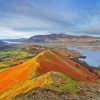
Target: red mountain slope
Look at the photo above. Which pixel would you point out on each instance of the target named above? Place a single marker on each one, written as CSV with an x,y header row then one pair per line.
x,y
44,62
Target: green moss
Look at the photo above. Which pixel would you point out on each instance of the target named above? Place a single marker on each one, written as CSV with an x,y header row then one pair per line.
x,y
34,74
62,83
12,57
56,82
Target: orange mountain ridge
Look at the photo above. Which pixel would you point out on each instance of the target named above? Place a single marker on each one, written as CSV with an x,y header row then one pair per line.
x,y
44,62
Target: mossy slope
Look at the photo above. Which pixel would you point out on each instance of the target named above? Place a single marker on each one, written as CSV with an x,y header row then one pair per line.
x,y
52,81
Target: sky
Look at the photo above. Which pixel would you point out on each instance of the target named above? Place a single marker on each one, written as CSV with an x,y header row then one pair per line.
x,y
26,18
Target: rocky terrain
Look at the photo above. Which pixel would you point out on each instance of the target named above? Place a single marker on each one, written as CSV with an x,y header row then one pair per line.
x,y
85,92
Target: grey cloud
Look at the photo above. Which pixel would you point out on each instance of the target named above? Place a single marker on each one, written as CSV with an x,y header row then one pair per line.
x,y
30,16
44,14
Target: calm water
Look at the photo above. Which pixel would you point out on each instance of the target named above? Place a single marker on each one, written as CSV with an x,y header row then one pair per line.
x,y
92,57
9,42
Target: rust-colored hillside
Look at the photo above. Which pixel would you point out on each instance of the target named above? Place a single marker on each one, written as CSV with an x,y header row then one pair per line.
x,y
44,62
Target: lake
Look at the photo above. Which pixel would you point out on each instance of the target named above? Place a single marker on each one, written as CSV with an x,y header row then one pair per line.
x,y
92,57
10,42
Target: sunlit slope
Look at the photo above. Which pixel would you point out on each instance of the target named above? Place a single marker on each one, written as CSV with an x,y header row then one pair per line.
x,y
54,61
44,62
17,74
51,80
25,87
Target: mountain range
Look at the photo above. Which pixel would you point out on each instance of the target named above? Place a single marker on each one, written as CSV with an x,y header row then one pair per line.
x,y
55,38
62,38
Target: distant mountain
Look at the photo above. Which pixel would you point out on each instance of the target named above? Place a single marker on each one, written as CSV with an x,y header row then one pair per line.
x,y
55,38
2,43
61,38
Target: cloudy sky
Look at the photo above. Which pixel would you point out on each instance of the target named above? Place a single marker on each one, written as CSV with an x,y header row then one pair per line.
x,y
25,18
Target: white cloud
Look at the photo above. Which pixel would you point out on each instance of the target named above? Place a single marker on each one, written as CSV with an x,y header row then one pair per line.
x,y
9,33
6,33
